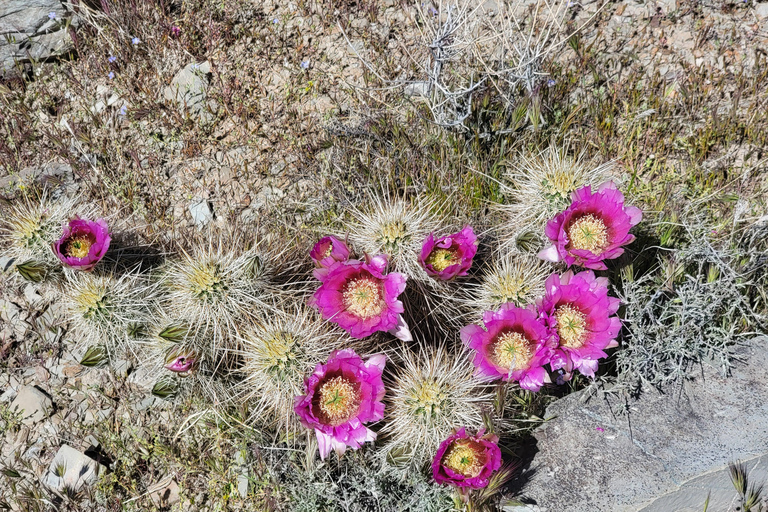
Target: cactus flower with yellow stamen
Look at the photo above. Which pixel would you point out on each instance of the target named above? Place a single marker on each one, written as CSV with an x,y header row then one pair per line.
x,y
449,256
515,345
341,397
593,229
83,243
362,299
581,315
467,461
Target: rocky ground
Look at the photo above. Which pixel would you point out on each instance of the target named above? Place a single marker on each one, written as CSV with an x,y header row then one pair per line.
x,y
273,110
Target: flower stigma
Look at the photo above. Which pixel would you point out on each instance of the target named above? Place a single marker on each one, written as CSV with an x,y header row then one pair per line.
x,y
511,350
440,259
462,457
588,233
363,297
571,326
338,401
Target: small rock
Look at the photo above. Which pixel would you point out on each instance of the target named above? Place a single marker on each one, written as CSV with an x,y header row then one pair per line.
x,y
71,470
8,395
417,89
165,493
201,212
122,368
761,11
146,403
267,195
242,475
8,310
188,89
30,293
96,417
277,168
143,379
34,405
5,263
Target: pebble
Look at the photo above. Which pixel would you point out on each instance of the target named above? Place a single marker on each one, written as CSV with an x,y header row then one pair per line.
x,y
71,470
33,404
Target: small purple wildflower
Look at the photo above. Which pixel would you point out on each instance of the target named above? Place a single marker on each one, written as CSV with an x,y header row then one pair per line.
x,y
274,21
175,31
305,64
135,40
551,82
123,110
52,15
111,75
600,429
112,58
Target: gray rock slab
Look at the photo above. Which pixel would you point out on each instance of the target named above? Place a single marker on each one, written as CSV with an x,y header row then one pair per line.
x,y
165,493
27,15
201,212
71,470
33,404
27,32
188,89
594,456
717,485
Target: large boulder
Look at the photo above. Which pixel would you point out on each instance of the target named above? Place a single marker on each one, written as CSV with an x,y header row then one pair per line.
x,y
615,453
31,30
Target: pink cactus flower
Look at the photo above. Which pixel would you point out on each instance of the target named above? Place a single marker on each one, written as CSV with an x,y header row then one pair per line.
x,y
580,313
180,361
361,299
342,396
449,256
328,251
593,229
83,243
467,461
515,346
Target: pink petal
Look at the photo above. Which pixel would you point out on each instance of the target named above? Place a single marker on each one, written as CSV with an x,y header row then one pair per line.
x,y
550,254
401,332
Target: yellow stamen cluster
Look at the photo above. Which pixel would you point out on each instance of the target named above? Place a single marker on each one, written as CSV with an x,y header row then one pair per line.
x,y
206,280
559,183
329,250
511,350
363,297
588,233
509,289
279,352
463,458
440,259
78,246
91,301
427,399
393,233
338,401
571,326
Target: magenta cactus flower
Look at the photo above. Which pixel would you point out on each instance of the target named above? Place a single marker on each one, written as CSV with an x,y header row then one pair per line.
x,y
581,315
179,361
361,299
342,396
467,461
515,345
593,229
83,243
328,251
449,256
